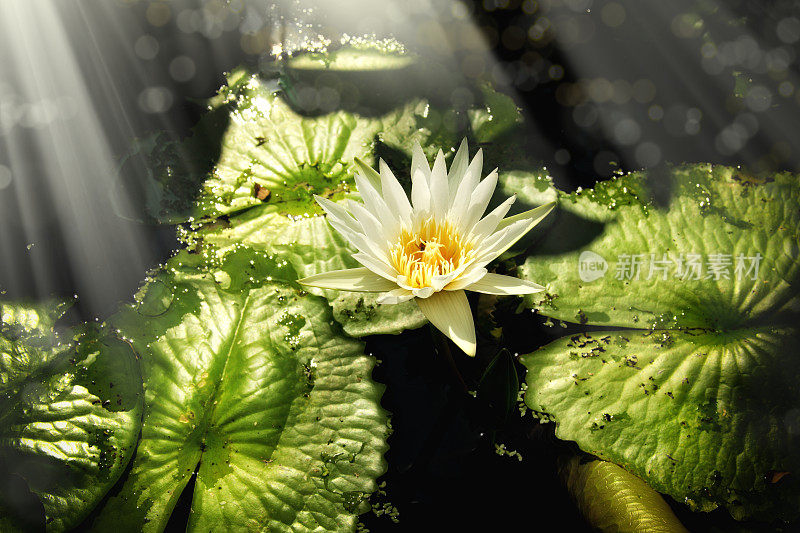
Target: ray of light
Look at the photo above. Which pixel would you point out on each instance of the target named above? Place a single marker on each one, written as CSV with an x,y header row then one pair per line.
x,y
61,163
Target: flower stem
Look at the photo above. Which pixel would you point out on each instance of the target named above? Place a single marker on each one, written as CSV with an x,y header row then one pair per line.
x,y
442,345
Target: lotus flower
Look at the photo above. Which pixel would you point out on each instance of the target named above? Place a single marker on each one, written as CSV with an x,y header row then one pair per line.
x,y
433,248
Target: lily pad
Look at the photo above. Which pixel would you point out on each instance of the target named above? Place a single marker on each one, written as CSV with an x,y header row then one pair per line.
x,y
270,148
70,414
702,402
250,384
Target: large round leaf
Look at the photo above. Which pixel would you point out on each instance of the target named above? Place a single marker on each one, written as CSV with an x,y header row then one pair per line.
x,y
273,162
695,246
249,382
70,413
710,418
703,404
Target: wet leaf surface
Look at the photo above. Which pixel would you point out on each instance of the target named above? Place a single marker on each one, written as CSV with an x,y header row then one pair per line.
x,y
249,382
70,414
702,401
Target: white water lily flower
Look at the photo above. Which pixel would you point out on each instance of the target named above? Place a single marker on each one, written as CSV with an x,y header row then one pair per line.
x,y
434,248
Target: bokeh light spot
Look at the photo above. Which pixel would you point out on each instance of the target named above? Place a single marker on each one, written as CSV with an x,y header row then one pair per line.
x,y
155,99
788,30
758,99
644,91
158,14
146,47
182,69
627,131
612,14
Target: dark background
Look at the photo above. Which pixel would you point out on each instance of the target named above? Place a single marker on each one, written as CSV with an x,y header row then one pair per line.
x,y
606,86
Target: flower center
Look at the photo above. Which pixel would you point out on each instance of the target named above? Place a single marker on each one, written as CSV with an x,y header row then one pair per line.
x,y
433,250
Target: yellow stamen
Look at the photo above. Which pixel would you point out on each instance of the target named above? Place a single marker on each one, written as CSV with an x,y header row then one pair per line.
x,y
432,250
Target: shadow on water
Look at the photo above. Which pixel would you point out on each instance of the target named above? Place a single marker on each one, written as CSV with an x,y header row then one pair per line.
x,y
162,178
443,470
20,504
370,93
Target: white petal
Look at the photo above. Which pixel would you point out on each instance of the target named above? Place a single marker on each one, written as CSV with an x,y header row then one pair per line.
x,y
369,173
375,230
352,279
504,238
449,312
376,265
539,212
457,170
420,192
501,241
372,198
402,281
479,200
360,241
394,195
460,203
395,296
424,292
504,285
439,189
467,279
440,282
370,237
419,162
338,213
488,225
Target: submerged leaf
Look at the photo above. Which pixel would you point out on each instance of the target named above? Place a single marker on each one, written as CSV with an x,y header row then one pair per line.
x,y
612,499
70,413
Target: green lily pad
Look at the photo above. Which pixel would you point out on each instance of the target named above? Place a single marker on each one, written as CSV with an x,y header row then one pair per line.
x,y
290,158
250,383
726,242
70,414
702,402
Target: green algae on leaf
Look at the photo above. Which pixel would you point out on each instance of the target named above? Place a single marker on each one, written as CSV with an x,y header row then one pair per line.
x,y
704,418
70,413
702,401
717,259
249,382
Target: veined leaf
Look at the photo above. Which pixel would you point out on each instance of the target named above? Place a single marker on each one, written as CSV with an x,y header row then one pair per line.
x,y
248,381
269,149
612,499
70,413
704,403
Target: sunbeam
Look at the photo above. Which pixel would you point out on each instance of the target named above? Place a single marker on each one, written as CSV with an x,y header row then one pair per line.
x,y
61,168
